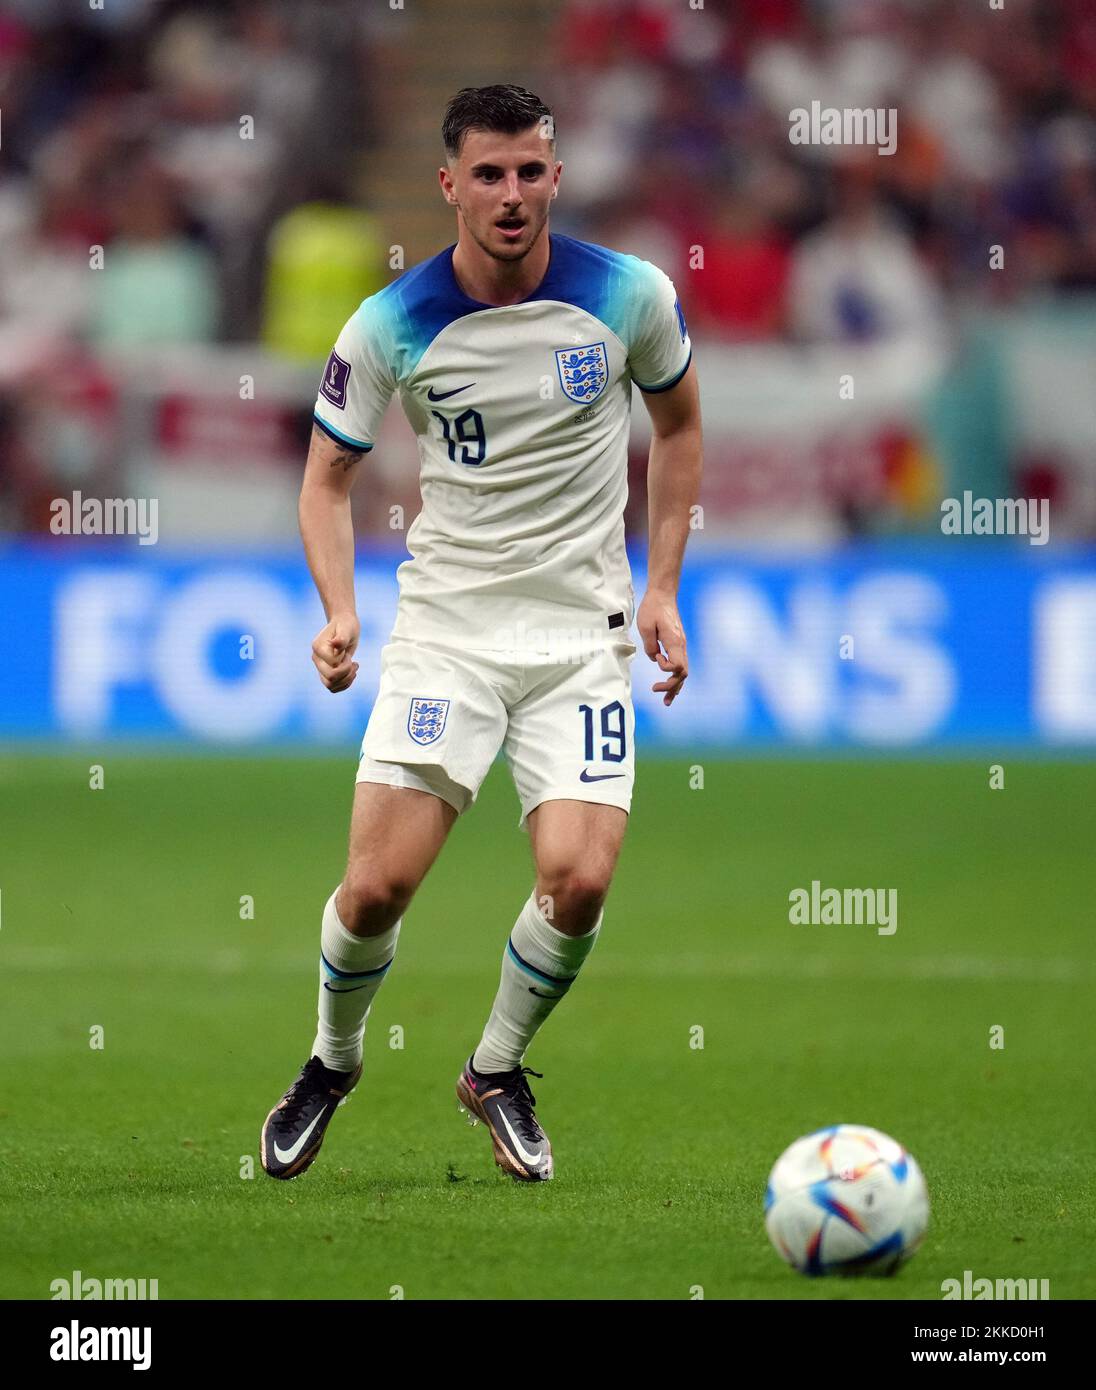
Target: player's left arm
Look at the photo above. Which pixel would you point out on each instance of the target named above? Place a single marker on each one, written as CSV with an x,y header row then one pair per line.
x,y
673,485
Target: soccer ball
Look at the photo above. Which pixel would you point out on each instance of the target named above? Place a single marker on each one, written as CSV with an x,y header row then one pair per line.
x,y
846,1200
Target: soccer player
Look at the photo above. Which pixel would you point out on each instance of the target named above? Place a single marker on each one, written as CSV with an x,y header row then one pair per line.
x,y
513,353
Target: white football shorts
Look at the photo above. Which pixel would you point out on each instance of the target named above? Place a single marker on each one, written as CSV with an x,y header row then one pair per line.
x,y
564,721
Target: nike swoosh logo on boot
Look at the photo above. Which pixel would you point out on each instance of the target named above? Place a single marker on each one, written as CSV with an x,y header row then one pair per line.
x,y
525,1157
288,1155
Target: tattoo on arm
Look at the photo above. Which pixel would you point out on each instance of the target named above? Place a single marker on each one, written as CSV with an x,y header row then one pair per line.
x,y
344,454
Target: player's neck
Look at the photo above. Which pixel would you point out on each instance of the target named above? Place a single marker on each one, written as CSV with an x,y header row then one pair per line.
x,y
498,283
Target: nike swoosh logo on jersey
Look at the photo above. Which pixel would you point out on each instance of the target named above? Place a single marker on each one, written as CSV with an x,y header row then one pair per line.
x,y
354,990
525,1158
584,776
433,395
288,1155
533,990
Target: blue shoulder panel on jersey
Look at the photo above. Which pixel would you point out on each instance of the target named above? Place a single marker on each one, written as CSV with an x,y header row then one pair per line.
x,y
408,314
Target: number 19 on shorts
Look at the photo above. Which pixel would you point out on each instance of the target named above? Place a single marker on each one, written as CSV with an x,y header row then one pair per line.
x,y
613,742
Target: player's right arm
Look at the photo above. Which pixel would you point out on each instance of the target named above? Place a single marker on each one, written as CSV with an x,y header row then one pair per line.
x,y
328,535
356,386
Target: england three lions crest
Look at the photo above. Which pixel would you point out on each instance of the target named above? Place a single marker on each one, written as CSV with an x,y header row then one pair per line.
x,y
426,720
583,371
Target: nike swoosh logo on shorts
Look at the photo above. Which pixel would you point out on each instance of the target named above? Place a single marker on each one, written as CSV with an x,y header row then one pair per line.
x,y
433,395
288,1155
584,776
525,1158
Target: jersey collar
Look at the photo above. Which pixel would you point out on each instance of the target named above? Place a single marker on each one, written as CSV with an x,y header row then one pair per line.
x,y
542,291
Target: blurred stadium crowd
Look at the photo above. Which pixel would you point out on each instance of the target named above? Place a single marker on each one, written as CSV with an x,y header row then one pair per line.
x,y
121,129
677,134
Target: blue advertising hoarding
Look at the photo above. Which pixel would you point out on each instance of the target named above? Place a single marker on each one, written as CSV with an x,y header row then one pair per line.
x,y
889,647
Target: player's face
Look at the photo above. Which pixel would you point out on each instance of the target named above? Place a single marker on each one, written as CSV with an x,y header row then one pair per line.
x,y
502,186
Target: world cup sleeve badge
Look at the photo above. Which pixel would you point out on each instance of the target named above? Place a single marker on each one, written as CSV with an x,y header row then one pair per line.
x,y
426,719
583,371
336,377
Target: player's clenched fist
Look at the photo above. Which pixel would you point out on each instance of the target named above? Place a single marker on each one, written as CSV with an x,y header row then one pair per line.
x,y
333,651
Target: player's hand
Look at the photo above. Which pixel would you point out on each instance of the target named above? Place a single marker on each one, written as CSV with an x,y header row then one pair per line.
x,y
659,625
333,651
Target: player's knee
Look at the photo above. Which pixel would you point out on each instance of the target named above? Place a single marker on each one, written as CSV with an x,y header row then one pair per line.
x,y
371,902
575,898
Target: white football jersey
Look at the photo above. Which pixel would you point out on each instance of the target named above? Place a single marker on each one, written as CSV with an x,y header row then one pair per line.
x,y
522,415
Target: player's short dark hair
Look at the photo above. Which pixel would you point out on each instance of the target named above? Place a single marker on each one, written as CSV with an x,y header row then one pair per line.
x,y
505,108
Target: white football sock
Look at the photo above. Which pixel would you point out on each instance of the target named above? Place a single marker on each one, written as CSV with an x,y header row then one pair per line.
x,y
539,965
352,969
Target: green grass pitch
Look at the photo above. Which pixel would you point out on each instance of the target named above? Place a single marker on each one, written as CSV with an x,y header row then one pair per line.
x,y
121,909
